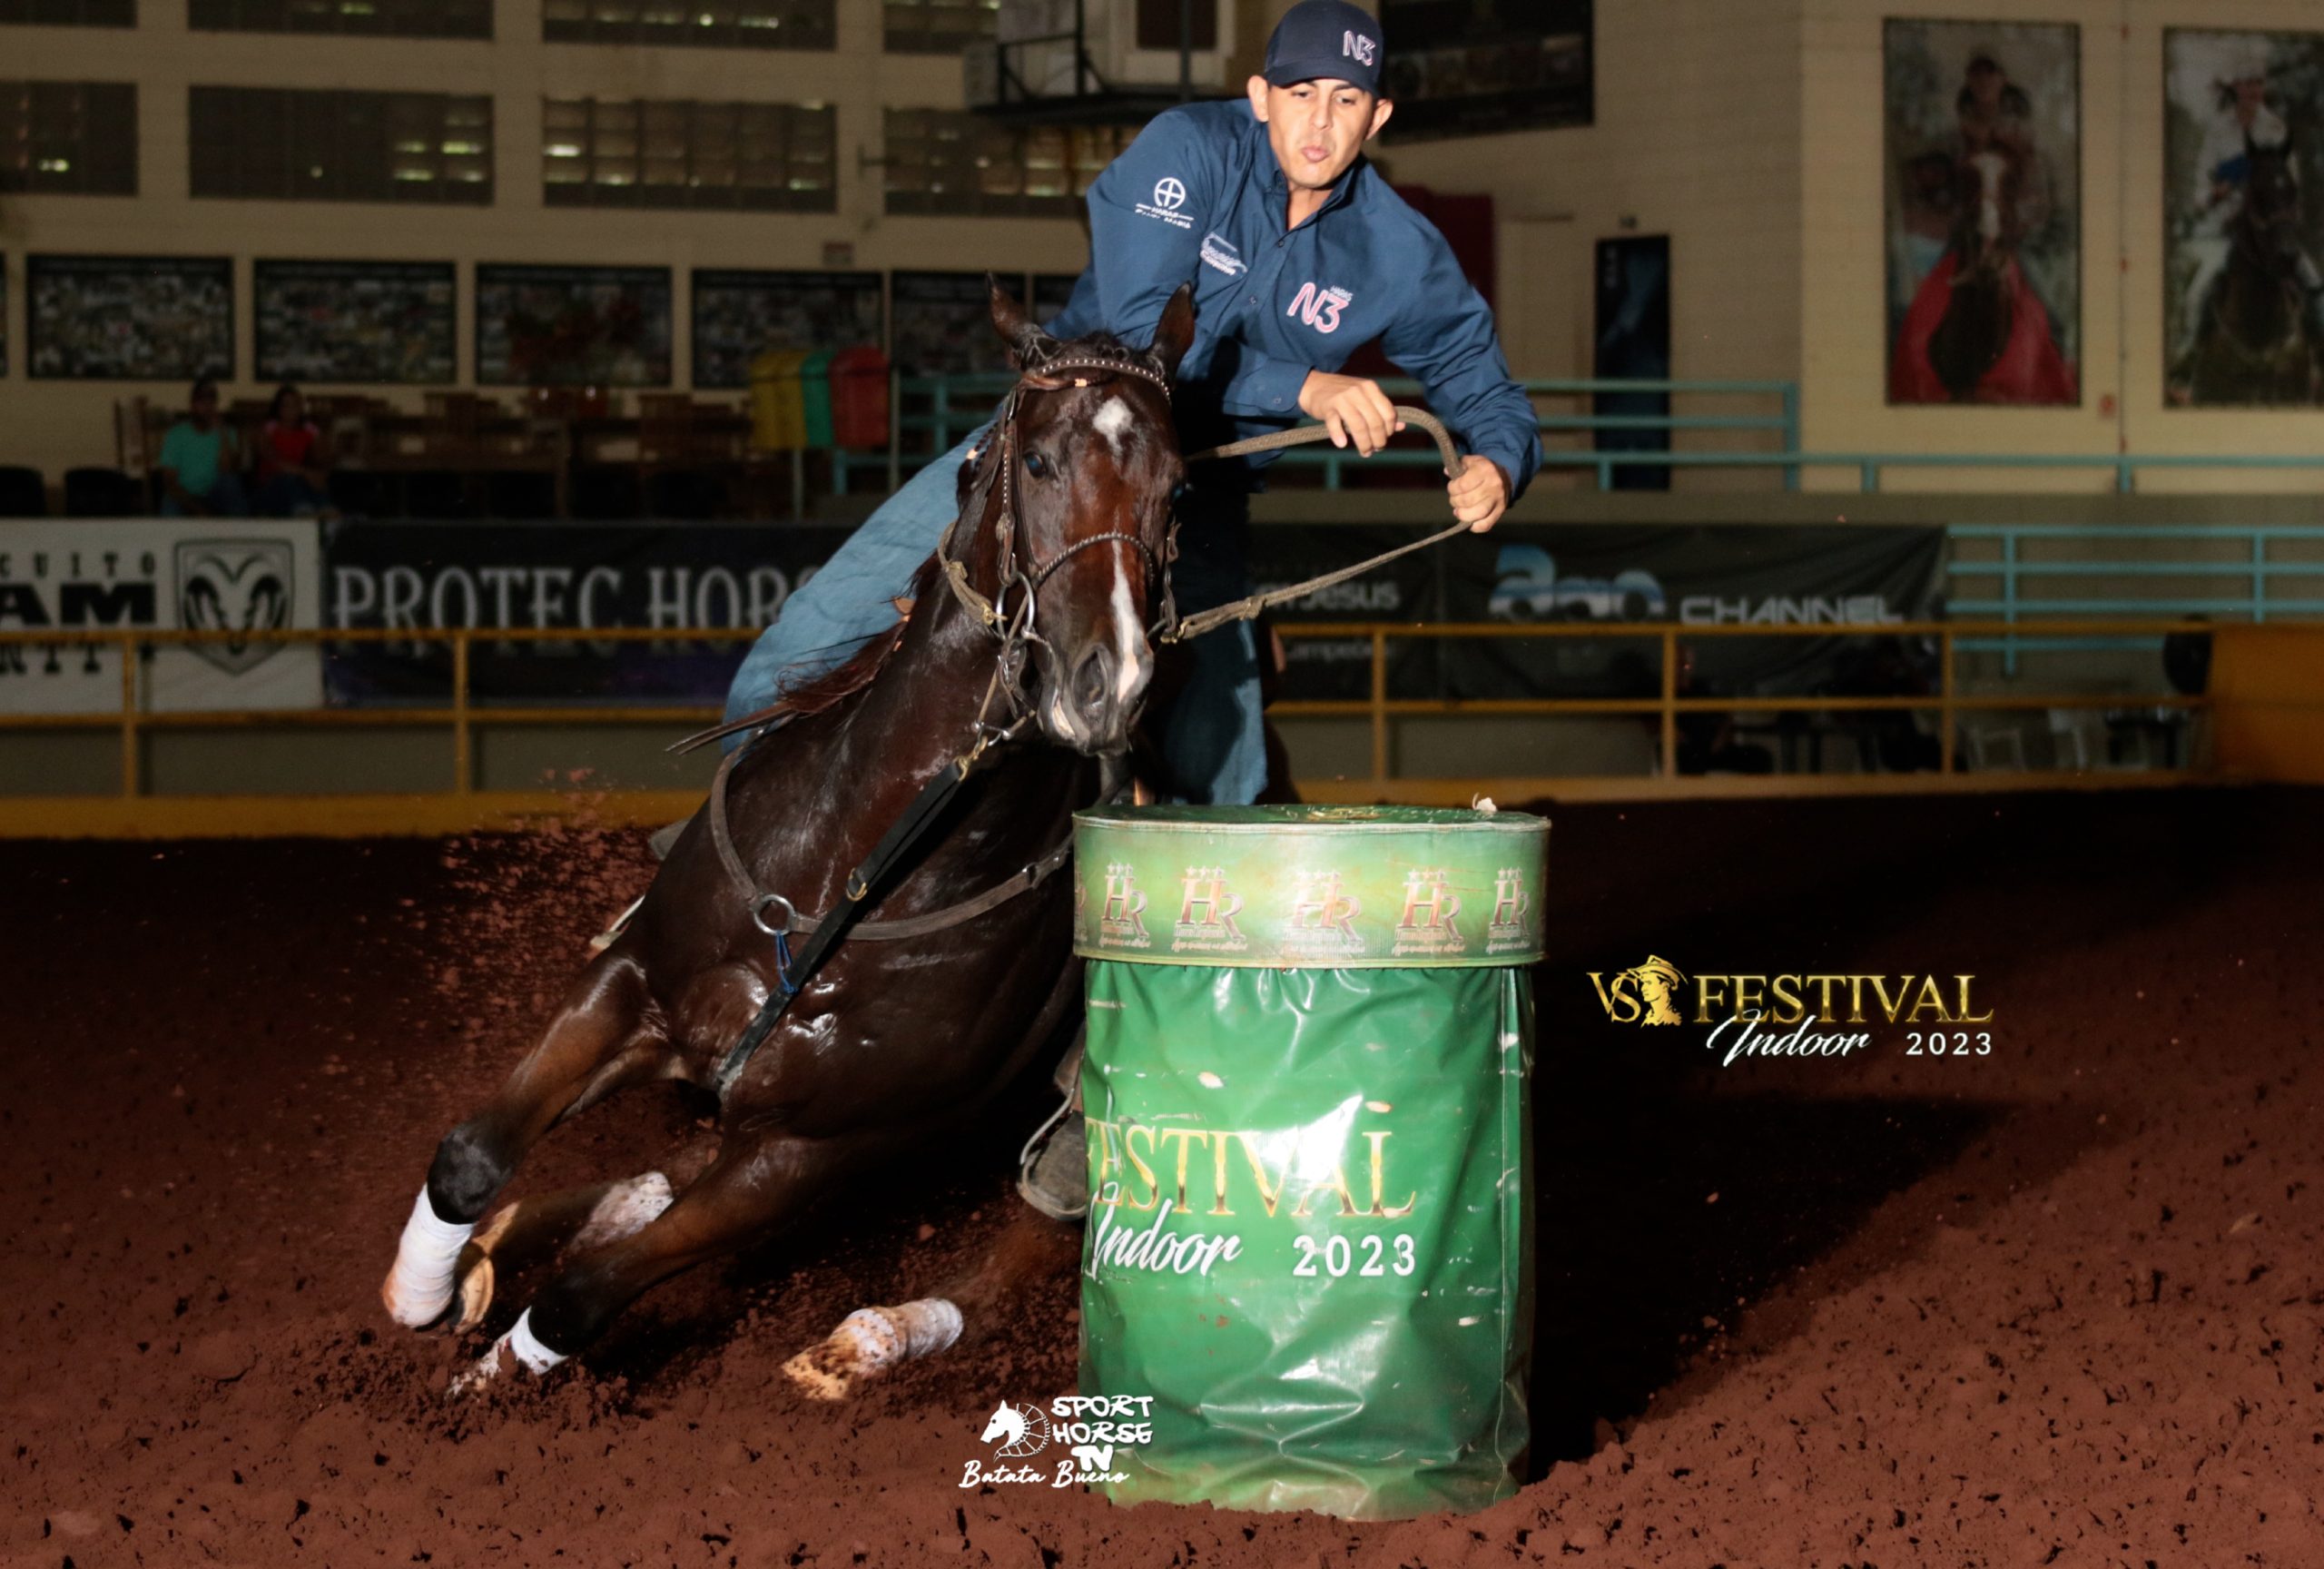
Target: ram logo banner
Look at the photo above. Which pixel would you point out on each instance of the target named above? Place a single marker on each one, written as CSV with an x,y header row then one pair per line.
x,y
236,586
159,576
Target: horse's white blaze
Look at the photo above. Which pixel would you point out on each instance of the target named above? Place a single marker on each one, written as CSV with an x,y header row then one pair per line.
x,y
1113,422
1991,168
1132,660
420,1286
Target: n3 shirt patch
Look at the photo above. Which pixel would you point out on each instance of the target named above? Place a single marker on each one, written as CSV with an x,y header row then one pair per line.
x,y
1319,306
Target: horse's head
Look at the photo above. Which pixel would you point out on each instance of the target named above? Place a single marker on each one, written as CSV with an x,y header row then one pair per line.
x,y
1007,1422
1987,228
1080,526
2270,215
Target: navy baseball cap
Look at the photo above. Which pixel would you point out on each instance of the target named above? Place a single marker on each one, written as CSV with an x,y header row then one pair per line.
x,y
1325,40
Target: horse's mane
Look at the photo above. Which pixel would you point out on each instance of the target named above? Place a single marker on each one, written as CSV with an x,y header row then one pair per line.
x,y
820,693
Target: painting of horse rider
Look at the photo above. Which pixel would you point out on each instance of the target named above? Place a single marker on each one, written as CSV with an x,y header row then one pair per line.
x,y
1983,129
2244,308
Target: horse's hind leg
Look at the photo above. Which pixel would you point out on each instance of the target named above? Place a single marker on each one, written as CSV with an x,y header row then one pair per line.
x,y
599,1041
754,1186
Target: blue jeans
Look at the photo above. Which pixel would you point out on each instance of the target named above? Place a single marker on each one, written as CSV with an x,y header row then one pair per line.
x,y
1213,738
225,498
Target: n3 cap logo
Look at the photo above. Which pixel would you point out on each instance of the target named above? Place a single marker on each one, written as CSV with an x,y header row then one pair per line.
x,y
1356,46
1641,994
1169,193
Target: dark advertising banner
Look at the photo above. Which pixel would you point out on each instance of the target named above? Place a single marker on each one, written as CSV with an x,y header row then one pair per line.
x,y
579,575
739,315
572,326
359,321
1854,579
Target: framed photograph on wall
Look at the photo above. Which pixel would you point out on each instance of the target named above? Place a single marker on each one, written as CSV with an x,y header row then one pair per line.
x,y
1983,144
940,323
356,321
740,314
572,326
128,317
2243,136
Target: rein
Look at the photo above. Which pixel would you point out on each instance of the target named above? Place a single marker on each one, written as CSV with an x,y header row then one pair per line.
x,y
1244,609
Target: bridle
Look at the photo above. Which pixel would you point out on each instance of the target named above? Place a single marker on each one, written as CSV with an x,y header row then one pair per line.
x,y
1014,626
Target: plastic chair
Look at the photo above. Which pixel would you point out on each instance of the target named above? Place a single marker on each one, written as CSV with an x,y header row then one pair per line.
x,y
24,493
103,493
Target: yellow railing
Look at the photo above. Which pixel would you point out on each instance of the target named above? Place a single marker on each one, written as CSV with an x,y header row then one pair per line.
x,y
462,804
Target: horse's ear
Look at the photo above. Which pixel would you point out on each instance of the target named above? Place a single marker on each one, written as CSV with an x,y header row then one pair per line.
x,y
1175,331
1027,342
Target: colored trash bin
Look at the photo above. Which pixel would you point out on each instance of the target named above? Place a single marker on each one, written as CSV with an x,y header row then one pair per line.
x,y
778,401
859,398
1308,1258
815,398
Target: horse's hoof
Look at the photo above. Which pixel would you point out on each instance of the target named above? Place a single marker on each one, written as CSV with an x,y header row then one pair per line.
x,y
870,1340
414,1307
475,1293
472,1380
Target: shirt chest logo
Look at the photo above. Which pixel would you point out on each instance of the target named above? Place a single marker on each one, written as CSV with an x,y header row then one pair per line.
x,y
1169,196
1319,306
1221,253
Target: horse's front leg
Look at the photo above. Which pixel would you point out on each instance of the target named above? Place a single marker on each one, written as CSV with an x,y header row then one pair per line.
x,y
758,1183
601,1039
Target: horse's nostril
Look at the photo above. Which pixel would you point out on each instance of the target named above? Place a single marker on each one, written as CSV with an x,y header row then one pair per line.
x,y
1093,680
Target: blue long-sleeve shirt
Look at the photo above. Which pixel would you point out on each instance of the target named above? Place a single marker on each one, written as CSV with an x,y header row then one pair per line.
x,y
1199,197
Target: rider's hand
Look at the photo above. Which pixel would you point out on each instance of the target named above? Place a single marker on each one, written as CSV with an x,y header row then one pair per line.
x,y
1353,409
1480,493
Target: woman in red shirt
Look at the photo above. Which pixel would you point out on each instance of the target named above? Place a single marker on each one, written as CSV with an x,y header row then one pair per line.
x,y
291,461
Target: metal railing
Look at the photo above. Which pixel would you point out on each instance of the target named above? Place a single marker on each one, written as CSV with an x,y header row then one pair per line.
x,y
463,714
931,413
2252,565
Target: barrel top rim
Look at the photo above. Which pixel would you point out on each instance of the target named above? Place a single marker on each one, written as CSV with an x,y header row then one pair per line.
x,y
1265,820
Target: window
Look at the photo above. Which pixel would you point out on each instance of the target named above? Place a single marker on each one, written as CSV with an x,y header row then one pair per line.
x,y
944,161
75,138
711,24
386,18
277,145
633,152
69,13
938,26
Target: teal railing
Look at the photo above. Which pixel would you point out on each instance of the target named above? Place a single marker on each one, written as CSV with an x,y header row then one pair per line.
x,y
2256,579
933,412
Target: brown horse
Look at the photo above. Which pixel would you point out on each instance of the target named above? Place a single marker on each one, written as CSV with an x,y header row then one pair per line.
x,y
2257,343
1066,519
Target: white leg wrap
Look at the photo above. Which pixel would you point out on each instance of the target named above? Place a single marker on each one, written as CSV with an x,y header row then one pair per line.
x,y
420,1286
530,1353
870,1340
627,1209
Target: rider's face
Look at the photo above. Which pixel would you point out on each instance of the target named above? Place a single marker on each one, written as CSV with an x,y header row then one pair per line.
x,y
1317,128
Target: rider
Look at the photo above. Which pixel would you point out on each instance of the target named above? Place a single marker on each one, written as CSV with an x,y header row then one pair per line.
x,y
2243,122
1300,253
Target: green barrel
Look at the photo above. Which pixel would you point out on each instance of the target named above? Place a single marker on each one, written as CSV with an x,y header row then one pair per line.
x,y
1311,1031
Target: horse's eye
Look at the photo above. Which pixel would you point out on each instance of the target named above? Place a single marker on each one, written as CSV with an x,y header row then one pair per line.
x,y
1037,465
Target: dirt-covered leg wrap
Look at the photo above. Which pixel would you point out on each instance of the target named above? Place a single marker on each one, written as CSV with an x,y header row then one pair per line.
x,y
870,1340
420,1286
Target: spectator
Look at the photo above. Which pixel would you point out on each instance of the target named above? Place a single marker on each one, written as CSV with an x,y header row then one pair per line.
x,y
199,459
290,459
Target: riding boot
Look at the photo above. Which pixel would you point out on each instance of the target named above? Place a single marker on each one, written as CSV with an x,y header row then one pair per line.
x,y
1053,1170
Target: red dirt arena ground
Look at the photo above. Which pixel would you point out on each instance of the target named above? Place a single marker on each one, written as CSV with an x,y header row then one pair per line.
x,y
2056,1305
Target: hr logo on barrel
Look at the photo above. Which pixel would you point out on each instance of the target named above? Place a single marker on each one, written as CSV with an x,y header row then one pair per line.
x,y
1431,920
1207,913
1121,919
1508,932
1322,919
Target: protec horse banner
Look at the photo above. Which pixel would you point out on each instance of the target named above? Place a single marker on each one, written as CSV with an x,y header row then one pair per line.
x,y
231,576
580,577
